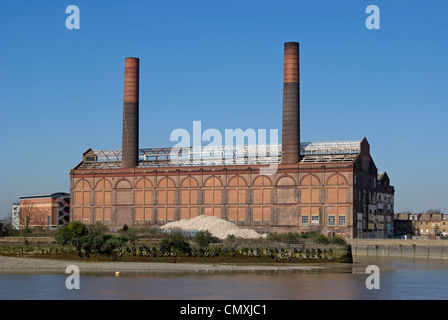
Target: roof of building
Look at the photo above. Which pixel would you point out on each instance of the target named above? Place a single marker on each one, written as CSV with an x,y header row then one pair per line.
x,y
46,195
402,216
311,152
421,217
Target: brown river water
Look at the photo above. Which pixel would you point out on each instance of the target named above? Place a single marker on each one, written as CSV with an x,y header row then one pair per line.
x,y
398,278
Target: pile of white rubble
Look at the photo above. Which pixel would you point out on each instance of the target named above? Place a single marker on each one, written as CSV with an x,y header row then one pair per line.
x,y
217,227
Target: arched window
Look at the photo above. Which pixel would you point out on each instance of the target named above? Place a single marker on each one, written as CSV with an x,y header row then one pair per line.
x,y
103,205
166,200
236,199
81,201
261,201
310,189
143,201
213,197
337,189
285,191
189,200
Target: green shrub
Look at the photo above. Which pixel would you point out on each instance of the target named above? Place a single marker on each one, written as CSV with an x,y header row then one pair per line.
x,y
97,229
203,238
117,241
3,229
174,240
311,235
91,242
320,239
338,241
129,233
77,229
63,235
284,237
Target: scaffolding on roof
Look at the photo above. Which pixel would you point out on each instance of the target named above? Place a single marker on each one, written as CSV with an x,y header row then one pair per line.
x,y
340,151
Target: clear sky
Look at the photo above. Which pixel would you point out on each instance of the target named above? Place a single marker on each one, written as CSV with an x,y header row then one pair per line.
x,y
221,62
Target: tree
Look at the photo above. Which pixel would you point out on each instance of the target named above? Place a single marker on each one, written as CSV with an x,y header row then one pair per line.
x,y
433,211
88,238
31,216
6,227
63,235
97,229
174,240
203,238
77,229
26,214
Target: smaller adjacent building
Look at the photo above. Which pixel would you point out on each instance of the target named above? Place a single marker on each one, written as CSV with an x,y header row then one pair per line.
x,y
431,225
383,205
43,210
403,226
420,225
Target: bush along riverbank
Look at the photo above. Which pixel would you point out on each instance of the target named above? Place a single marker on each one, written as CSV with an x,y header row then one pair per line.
x,y
91,243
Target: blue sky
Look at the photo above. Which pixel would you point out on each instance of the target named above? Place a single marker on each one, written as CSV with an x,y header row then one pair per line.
x,y
221,62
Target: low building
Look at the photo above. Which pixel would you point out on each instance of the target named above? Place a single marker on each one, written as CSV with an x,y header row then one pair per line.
x,y
403,228
420,225
431,225
44,210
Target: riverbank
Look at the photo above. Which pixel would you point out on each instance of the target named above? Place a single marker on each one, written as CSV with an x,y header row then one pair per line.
x,y
19,265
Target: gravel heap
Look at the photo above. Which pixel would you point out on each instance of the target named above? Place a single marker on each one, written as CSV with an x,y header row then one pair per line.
x,y
217,227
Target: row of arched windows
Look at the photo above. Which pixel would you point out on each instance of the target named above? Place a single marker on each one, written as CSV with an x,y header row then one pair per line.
x,y
187,197
213,181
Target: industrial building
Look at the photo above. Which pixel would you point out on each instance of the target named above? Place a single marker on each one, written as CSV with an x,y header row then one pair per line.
x,y
330,187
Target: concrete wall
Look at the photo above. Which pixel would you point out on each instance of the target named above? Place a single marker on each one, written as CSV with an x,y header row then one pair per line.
x,y
429,249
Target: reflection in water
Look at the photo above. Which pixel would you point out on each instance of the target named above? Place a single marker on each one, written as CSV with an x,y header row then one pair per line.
x,y
399,279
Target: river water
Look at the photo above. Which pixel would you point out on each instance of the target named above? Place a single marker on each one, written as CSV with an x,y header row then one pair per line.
x,y
399,278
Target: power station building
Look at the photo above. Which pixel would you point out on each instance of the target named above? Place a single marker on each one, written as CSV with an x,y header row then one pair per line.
x,y
330,187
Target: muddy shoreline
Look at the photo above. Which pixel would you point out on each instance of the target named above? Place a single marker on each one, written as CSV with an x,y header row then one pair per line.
x,y
21,265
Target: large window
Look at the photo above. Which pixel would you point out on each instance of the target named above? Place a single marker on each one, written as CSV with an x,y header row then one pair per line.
x,y
262,200
341,220
212,197
237,202
331,220
305,220
166,200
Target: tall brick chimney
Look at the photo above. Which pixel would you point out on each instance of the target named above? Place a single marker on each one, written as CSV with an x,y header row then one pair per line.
x,y
291,104
129,152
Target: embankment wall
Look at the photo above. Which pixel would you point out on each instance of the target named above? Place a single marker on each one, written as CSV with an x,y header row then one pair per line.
x,y
428,249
